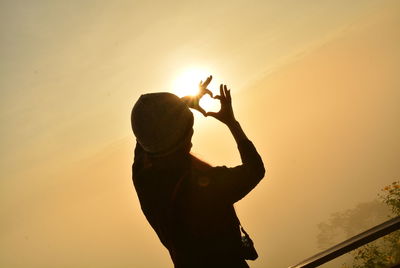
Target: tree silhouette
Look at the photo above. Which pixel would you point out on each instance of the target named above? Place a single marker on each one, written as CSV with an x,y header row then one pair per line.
x,y
382,253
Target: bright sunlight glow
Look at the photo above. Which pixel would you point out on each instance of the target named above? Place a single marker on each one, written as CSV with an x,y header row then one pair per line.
x,y
187,83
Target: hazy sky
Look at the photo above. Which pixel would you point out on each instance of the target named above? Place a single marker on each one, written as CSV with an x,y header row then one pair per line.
x,y
315,85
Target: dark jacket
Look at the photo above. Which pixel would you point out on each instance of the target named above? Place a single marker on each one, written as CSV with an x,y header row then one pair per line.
x,y
190,205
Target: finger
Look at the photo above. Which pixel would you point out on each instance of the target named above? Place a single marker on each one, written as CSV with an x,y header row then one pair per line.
x,y
201,82
204,91
225,91
221,92
201,110
208,79
207,91
227,94
207,82
222,95
218,97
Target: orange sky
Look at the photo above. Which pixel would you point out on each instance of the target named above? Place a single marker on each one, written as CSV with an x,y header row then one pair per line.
x,y
315,86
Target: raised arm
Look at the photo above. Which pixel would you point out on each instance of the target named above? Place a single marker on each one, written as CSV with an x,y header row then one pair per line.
x,y
226,116
232,184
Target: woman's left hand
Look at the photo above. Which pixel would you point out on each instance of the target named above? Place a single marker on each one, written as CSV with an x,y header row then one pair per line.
x,y
203,90
193,101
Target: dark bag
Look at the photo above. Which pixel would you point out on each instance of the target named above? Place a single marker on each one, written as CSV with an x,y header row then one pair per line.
x,y
247,248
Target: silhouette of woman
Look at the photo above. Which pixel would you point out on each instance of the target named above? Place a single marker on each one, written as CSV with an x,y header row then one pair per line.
x,y
189,203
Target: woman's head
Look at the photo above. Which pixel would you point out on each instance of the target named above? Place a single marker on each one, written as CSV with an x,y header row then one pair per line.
x,y
162,123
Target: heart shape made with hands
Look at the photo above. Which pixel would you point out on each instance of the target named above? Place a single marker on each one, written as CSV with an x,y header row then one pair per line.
x,y
209,104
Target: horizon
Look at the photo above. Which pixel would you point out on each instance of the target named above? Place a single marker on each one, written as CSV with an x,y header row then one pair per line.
x,y
314,86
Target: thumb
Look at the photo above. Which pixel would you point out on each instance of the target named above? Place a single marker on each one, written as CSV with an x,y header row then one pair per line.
x,y
201,110
207,91
213,114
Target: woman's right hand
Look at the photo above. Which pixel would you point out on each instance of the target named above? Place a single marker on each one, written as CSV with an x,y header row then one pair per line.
x,y
225,114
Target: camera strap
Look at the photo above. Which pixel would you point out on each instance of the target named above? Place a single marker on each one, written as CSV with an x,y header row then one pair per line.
x,y
248,250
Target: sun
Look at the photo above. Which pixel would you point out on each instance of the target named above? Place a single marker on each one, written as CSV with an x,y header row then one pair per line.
x,y
187,84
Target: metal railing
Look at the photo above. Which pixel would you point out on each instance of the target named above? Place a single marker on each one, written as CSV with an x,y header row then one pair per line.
x,y
351,244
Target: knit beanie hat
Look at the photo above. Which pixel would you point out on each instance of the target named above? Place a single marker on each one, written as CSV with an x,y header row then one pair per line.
x,y
161,123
